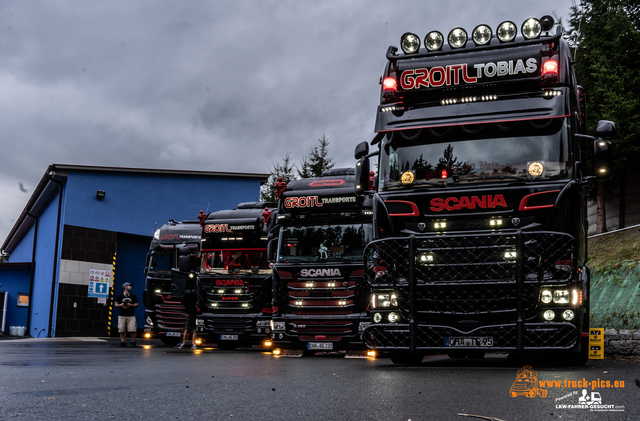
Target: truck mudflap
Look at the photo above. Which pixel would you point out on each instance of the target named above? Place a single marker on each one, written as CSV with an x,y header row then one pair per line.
x,y
535,336
474,290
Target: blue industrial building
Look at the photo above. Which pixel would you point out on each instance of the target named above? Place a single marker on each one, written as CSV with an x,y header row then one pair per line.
x,y
83,219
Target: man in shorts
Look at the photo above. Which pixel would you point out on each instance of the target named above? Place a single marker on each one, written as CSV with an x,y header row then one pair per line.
x,y
126,304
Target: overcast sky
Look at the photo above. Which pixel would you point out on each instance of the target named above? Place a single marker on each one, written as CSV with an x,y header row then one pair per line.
x,y
201,85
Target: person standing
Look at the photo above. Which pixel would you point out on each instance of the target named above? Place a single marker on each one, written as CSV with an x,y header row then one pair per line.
x,y
127,303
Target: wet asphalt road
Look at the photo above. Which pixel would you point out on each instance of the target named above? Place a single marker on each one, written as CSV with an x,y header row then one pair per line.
x,y
55,379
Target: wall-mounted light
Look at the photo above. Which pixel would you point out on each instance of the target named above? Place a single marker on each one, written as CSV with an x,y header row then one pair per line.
x,y
100,194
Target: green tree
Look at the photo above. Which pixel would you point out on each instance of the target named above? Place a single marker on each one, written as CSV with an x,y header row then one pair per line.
x,y
318,161
284,170
606,36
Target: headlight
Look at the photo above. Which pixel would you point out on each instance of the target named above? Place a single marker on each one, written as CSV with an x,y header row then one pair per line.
x,y
531,28
481,35
199,322
410,43
426,258
377,317
546,297
549,315
149,321
393,317
277,325
506,31
457,38
434,41
510,255
568,315
561,297
384,300
263,323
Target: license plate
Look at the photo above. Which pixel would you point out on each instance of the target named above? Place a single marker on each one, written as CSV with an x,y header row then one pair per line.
x,y
320,346
228,337
173,334
468,341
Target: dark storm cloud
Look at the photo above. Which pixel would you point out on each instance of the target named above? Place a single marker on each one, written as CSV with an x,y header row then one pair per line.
x,y
210,85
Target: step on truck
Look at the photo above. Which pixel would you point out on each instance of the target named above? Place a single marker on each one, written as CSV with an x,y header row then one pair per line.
x,y
320,296
234,280
165,316
480,200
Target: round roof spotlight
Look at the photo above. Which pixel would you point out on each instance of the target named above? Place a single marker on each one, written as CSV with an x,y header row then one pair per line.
x,y
481,35
507,31
410,43
457,38
434,41
531,28
547,23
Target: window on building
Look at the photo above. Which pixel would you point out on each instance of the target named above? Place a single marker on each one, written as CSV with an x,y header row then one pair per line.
x,y
23,299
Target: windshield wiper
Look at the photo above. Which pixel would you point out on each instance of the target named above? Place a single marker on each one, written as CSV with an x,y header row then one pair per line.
x,y
295,259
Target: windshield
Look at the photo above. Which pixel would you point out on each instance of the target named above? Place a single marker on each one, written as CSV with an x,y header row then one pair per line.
x,y
161,261
478,153
324,242
236,261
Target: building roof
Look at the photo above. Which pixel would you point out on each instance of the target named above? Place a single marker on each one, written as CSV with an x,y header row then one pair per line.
x,y
48,186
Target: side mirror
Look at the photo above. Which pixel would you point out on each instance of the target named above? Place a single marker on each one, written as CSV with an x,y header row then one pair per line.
x,y
606,129
362,149
602,158
362,176
272,249
184,263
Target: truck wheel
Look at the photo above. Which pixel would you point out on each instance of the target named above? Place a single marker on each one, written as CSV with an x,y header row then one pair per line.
x,y
171,341
405,357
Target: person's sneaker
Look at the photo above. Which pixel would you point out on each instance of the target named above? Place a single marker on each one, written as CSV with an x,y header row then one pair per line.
x,y
134,344
194,346
122,344
180,346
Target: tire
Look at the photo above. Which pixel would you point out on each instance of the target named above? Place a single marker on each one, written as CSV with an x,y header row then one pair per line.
x,y
170,341
405,358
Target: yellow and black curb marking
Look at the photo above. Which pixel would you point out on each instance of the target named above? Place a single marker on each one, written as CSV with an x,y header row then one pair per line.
x,y
113,282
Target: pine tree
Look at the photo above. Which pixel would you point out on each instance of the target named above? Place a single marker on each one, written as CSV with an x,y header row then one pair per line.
x,y
319,160
284,170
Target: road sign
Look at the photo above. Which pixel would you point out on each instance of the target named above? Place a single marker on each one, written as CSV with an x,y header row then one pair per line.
x,y
98,289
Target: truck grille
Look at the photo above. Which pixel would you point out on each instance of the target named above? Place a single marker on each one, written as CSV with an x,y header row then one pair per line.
x,y
321,304
464,274
171,315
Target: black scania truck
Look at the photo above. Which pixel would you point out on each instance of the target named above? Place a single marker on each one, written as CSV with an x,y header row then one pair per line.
x,y
479,205
234,280
320,296
164,312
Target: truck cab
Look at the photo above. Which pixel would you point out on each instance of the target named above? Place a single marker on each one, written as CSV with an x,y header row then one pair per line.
x,y
165,316
234,278
480,200
320,297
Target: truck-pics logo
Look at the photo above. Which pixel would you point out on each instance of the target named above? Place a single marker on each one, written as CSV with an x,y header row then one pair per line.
x,y
527,384
455,74
216,228
457,203
310,273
